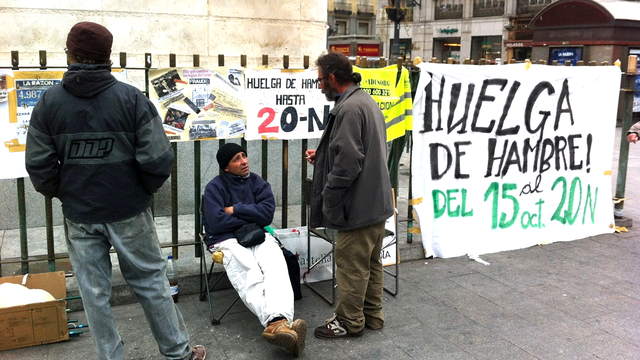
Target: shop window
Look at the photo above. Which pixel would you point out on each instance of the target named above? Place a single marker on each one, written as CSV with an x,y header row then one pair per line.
x,y
487,48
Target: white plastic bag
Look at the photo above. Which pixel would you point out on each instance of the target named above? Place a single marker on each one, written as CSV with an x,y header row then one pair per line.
x,y
295,239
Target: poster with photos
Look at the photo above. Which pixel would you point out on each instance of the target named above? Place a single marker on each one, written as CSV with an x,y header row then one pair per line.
x,y
199,103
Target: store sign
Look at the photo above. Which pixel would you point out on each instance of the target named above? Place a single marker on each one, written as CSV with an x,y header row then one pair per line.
x,y
448,31
515,45
368,50
344,49
573,54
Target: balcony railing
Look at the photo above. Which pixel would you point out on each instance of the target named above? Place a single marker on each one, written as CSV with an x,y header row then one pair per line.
x,y
408,14
531,7
448,11
488,8
365,10
342,7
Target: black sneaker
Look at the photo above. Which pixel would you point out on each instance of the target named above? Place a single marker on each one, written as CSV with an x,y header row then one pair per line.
x,y
335,329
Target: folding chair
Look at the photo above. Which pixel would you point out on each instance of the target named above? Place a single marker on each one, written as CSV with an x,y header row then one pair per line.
x,y
206,276
330,236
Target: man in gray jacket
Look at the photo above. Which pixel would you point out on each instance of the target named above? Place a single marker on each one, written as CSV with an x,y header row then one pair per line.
x,y
98,145
352,194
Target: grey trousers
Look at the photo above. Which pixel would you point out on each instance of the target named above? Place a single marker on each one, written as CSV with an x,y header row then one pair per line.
x,y
143,268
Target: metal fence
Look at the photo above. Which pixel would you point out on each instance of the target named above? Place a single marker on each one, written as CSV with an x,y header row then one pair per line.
x,y
267,150
396,148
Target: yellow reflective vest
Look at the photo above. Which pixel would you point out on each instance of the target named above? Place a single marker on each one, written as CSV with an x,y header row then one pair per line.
x,y
394,98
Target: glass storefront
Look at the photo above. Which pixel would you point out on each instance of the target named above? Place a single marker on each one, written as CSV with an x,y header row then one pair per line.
x,y
445,48
488,48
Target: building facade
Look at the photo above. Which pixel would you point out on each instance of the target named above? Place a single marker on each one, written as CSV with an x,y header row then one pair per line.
x,y
351,28
498,31
491,31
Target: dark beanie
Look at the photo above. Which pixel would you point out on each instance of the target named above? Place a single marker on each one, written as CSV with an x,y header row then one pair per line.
x,y
90,40
227,152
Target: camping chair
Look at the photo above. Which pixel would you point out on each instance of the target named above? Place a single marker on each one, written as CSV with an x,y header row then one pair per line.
x,y
206,276
330,236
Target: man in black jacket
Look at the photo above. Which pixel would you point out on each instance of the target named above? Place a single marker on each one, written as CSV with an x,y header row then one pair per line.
x,y
98,145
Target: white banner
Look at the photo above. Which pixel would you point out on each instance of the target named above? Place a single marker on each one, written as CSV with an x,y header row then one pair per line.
x,y
506,157
284,104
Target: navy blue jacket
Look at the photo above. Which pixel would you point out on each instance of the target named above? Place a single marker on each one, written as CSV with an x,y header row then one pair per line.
x,y
251,198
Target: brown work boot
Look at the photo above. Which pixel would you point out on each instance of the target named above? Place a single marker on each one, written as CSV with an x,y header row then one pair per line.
x,y
280,333
198,352
300,327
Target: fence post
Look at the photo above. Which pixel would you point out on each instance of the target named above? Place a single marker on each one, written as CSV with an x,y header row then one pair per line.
x,y
628,93
243,64
303,173
22,216
197,183
285,166
123,60
174,187
265,143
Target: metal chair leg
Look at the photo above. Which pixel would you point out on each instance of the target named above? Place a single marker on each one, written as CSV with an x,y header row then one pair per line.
x,y
205,291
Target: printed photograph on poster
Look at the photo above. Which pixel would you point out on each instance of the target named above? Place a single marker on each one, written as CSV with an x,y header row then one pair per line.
x,y
198,104
285,104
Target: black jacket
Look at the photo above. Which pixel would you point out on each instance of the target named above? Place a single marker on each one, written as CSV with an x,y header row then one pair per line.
x,y
98,145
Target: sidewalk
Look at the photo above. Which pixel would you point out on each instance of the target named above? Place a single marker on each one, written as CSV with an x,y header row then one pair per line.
x,y
566,300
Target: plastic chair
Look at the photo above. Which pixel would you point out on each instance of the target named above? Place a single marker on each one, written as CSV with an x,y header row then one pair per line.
x,y
206,276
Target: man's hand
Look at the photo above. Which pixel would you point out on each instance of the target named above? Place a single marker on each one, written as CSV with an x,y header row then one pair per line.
x,y
632,138
229,210
311,156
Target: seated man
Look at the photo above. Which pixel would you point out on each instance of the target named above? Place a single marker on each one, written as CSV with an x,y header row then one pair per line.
x,y
258,273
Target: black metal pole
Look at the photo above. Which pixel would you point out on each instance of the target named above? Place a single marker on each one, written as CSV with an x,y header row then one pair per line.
x,y
396,33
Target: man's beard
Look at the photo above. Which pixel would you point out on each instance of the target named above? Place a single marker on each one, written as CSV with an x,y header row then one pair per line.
x,y
329,93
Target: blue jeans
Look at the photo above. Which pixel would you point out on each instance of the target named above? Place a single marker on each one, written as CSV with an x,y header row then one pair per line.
x,y
143,268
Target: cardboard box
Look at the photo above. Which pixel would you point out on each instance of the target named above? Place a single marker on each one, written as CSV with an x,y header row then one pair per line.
x,y
39,323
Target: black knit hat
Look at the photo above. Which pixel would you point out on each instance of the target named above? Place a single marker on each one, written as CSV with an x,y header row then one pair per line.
x,y
90,40
227,152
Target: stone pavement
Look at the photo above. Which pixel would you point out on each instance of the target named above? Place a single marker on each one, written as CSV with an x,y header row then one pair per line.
x,y
566,300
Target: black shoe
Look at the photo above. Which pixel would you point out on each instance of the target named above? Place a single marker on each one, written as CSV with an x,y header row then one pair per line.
x,y
335,329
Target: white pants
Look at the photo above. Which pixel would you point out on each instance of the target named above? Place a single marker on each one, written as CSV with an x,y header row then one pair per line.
x,y
260,276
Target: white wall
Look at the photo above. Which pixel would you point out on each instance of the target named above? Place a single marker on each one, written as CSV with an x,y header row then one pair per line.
x,y
205,27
